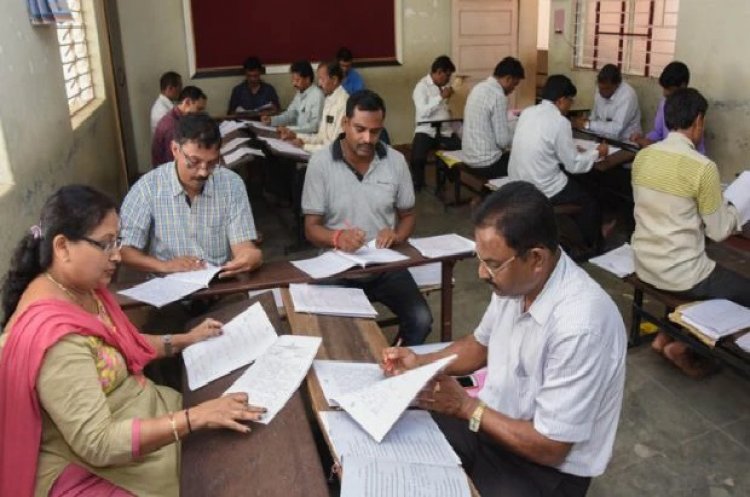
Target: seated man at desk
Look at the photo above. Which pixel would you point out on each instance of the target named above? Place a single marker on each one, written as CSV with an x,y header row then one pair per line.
x,y
675,75
253,94
191,100
431,104
358,189
544,140
303,114
487,133
616,113
170,86
334,108
554,346
352,81
188,212
678,203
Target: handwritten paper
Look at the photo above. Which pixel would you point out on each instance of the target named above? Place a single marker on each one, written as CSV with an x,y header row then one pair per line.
x,y
331,300
159,292
620,261
443,245
274,377
377,407
738,193
717,317
368,477
415,438
244,338
338,378
325,265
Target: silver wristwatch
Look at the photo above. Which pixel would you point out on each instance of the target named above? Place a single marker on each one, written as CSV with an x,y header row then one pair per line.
x,y
168,348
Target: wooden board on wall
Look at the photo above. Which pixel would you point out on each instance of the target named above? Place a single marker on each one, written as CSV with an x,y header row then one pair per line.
x,y
225,33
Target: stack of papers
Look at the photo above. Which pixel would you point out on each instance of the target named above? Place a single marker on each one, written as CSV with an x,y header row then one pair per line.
x,y
159,292
443,245
589,145
227,127
331,300
620,261
244,338
285,147
232,144
241,152
262,127
716,318
240,109
336,261
738,193
277,374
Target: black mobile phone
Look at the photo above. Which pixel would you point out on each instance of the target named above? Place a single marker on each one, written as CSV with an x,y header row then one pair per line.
x,y
466,381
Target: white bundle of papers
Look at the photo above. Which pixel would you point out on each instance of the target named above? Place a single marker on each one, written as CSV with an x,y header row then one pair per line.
x,y
277,374
336,261
743,342
244,338
589,145
241,152
378,406
717,318
159,292
232,144
443,245
738,193
285,147
496,183
331,300
227,127
620,261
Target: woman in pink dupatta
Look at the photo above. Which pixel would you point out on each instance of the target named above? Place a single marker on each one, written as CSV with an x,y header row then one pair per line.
x,y
77,416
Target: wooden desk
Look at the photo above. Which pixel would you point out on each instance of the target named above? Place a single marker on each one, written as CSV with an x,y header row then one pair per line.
x,y
346,339
283,273
280,458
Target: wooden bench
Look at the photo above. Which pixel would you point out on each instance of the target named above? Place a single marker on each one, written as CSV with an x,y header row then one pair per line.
x,y
449,169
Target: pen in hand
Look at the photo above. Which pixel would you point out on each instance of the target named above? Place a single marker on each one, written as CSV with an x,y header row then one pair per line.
x,y
389,362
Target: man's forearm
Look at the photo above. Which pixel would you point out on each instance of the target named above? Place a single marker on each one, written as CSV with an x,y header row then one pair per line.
x,y
472,356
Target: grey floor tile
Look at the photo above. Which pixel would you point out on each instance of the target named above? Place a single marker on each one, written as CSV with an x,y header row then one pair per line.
x,y
739,431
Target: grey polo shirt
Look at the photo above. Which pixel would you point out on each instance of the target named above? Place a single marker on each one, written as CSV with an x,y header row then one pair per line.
x,y
334,190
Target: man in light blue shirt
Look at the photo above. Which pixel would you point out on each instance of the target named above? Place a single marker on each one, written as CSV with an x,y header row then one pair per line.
x,y
303,114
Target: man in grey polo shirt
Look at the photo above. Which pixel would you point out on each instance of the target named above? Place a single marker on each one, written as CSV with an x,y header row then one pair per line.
x,y
358,189
554,346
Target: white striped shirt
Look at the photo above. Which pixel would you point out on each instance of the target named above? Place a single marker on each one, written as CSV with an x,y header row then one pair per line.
x,y
560,365
486,131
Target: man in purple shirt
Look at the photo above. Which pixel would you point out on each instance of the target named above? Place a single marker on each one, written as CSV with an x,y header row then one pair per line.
x,y
191,100
675,75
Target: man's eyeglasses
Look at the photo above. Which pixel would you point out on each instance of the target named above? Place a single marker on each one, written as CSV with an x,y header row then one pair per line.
x,y
497,267
108,246
196,163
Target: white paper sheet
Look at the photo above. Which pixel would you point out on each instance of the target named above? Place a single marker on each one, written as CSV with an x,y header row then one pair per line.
x,y
201,276
263,127
496,183
620,261
331,300
428,348
588,145
443,245
284,147
427,275
159,292
743,342
232,144
325,265
339,378
738,193
241,152
370,254
277,374
244,338
227,127
717,317
415,438
377,407
367,477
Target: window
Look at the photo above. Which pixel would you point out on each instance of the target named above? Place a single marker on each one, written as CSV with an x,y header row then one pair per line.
x,y
76,60
636,35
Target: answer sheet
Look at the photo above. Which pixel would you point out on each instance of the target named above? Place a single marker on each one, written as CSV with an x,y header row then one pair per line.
x,y
232,144
415,438
370,254
227,127
377,407
241,152
325,265
443,245
277,374
620,261
244,338
159,292
201,276
284,147
366,477
339,378
331,300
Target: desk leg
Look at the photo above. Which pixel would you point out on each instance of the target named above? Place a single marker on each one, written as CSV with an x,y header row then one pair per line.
x,y
635,323
446,301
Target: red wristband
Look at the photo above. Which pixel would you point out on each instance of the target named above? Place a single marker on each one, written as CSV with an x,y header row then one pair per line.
x,y
336,236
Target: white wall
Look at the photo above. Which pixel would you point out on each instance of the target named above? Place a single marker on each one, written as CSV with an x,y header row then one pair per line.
x,y
153,37
712,39
41,150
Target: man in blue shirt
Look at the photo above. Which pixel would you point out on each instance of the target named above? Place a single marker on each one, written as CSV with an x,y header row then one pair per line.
x,y
253,94
353,82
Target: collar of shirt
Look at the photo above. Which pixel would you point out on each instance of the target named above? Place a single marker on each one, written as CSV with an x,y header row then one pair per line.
x,y
496,84
177,188
677,139
165,100
381,151
545,302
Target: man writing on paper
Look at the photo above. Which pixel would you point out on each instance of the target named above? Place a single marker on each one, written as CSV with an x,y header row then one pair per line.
x,y
678,203
358,189
190,211
554,346
334,108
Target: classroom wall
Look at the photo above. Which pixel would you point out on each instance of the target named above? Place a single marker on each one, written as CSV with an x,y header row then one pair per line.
x,y
153,35
712,39
39,149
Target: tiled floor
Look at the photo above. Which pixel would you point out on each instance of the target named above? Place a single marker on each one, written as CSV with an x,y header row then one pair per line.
x,y
677,436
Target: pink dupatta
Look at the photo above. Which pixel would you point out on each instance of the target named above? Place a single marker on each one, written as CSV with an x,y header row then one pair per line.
x,y
38,328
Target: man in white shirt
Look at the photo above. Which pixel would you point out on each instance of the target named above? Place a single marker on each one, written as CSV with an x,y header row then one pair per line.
x,y
431,97
616,113
334,110
170,85
486,133
303,114
544,140
554,346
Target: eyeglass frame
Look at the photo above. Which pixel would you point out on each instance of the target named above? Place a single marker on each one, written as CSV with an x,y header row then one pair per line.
x,y
493,272
192,164
106,247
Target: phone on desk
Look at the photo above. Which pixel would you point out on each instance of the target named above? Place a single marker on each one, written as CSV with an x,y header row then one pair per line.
x,y
467,381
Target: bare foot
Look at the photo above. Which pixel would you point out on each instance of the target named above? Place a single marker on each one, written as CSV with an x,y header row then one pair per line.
x,y
688,361
661,341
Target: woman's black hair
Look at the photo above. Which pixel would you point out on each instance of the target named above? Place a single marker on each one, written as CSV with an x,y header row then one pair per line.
x,y
72,211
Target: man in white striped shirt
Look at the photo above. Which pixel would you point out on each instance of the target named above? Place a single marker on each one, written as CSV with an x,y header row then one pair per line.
x,y
486,133
554,345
